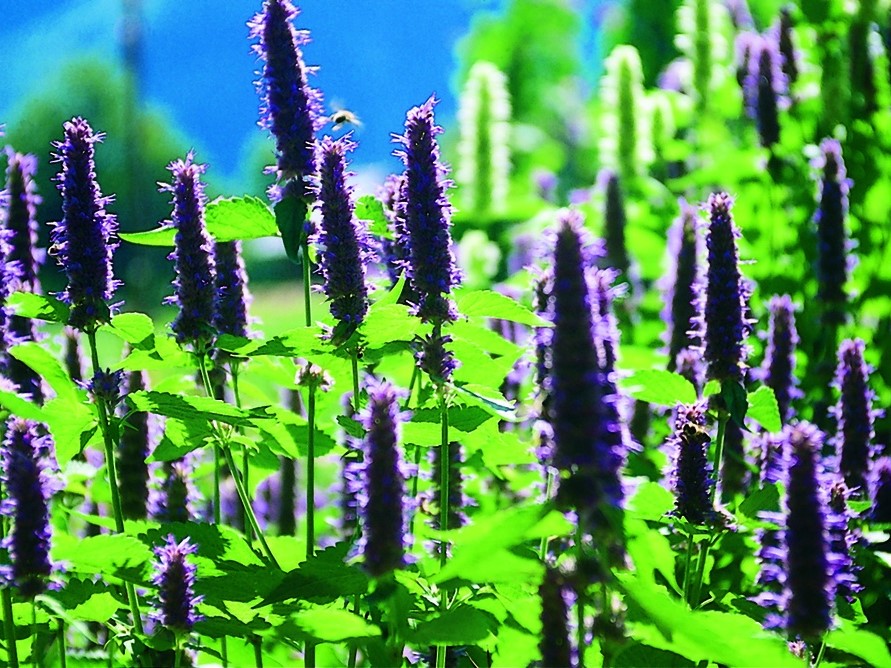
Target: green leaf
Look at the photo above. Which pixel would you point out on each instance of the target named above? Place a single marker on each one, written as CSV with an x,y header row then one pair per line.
x,y
321,579
461,625
662,388
190,408
72,424
99,607
17,405
370,208
160,236
39,307
100,554
651,501
764,410
290,215
766,498
333,625
136,329
863,644
386,323
735,400
490,304
240,218
41,361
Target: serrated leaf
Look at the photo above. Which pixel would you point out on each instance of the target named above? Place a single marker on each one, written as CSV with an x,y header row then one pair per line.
x,y
764,410
136,329
38,307
99,607
370,208
386,323
72,424
190,408
290,215
491,304
662,388
100,554
462,625
863,644
321,579
333,625
239,218
42,362
651,501
18,405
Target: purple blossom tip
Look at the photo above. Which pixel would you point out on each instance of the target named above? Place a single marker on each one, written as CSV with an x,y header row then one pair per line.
x,y
105,386
85,238
20,203
778,372
231,296
175,579
763,87
427,213
691,473
682,287
833,246
343,238
192,255
855,415
291,110
434,359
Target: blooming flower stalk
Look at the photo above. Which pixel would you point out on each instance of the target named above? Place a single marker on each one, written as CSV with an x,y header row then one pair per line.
x,y
291,110
20,203
833,264
192,256
383,506
135,447
174,499
431,267
615,222
778,371
554,644
682,286
231,296
691,473
786,44
763,86
175,579
85,238
880,491
484,149
854,415
342,238
26,503
726,327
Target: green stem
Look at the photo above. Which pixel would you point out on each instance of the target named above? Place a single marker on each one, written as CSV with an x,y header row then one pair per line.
x,y
700,574
723,416
549,488
580,603
63,656
444,466
310,471
234,368
111,467
34,644
258,652
354,647
307,285
688,562
248,509
820,654
9,629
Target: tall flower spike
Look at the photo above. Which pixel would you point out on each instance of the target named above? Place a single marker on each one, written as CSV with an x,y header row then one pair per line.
x,y
691,473
763,86
26,504
74,359
625,144
484,149
427,212
778,372
726,327
854,415
342,237
833,263
135,447
682,286
457,518
291,110
383,508
193,258
880,491
231,296
786,46
174,499
810,584
21,200
395,251
85,238
175,579
615,222
554,644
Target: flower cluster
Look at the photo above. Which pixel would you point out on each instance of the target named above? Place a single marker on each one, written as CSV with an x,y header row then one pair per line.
x,y
833,264
231,296
778,371
175,579
691,473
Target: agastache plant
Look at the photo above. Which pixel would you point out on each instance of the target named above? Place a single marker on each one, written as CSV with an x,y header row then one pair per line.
x,y
175,579
778,370
383,504
833,263
855,416
135,447
291,110
341,237
192,256
231,296
726,327
427,212
763,86
484,149
85,238
691,474
615,222
880,491
26,503
554,645
786,44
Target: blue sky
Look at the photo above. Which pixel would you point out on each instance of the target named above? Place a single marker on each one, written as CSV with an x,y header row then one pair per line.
x,y
376,57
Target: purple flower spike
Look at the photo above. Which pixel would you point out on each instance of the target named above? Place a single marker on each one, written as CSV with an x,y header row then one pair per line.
x,y
74,359
427,212
778,371
457,518
84,240
682,287
786,46
175,579
855,416
691,473
135,447
21,202
342,237
833,263
740,14
554,644
383,508
231,297
434,359
763,86
175,498
615,222
726,327
26,503
291,110
195,270
881,491
844,537
810,582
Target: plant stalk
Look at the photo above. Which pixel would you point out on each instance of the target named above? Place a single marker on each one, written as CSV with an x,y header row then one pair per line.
x,y
111,467
9,629
444,466
580,603
63,650
248,509
307,284
310,471
723,416
354,647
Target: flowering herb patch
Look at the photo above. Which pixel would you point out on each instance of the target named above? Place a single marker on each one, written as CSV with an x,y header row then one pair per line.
x,y
627,414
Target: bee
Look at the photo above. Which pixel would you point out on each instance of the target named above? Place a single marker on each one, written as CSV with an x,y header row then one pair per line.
x,y
343,117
